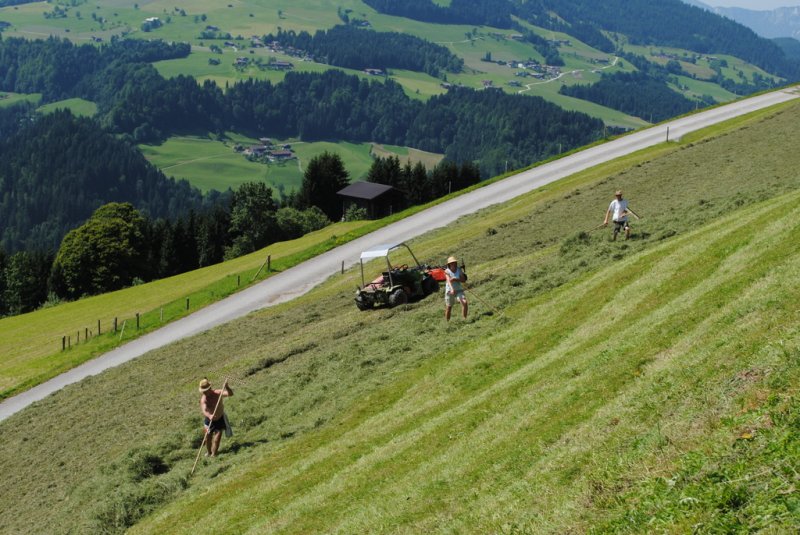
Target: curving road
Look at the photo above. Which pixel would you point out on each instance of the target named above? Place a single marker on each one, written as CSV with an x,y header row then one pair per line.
x,y
301,278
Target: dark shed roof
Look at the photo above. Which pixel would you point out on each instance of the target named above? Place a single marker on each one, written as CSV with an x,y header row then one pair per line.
x,y
364,190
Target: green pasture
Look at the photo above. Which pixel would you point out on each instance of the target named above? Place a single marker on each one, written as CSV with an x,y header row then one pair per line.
x,y
213,164
405,154
657,369
205,163
698,88
9,99
78,107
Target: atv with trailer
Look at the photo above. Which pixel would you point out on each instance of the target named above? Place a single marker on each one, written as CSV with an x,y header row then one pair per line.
x,y
399,283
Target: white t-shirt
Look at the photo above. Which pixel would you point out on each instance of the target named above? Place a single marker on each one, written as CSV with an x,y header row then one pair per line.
x,y
618,208
455,285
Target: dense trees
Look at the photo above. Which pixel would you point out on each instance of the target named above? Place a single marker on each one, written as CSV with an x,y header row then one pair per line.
x,y
119,245
23,281
494,13
419,185
499,130
636,94
354,48
56,170
323,177
58,69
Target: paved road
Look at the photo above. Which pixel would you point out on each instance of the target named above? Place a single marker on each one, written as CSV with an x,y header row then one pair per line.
x,y
300,279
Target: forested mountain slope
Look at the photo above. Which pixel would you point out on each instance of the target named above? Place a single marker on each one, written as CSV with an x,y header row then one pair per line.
x,y
57,171
659,369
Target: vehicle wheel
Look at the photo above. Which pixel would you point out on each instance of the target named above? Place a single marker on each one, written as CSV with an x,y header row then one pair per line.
x,y
398,297
429,285
363,305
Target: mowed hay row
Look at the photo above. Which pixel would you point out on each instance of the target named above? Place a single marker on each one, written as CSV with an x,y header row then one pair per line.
x,y
517,430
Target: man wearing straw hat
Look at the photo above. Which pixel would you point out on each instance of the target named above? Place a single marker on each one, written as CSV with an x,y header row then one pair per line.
x,y
453,290
214,420
618,211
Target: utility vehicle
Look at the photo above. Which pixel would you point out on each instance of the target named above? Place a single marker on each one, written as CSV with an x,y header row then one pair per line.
x,y
399,282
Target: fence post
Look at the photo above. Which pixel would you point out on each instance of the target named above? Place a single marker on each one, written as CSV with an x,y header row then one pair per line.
x,y
86,334
269,263
342,267
78,338
69,341
137,321
63,343
115,325
99,332
238,280
187,303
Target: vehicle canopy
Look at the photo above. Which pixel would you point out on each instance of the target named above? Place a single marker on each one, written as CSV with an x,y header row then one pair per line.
x,y
382,251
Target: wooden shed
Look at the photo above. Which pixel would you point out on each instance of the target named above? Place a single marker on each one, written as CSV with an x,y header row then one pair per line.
x,y
379,200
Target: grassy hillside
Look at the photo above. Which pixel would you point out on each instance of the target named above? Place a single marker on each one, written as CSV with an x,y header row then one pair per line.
x,y
31,343
608,386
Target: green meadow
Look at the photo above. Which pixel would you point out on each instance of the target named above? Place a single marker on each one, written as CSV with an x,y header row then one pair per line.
x,y
78,107
9,99
213,164
638,386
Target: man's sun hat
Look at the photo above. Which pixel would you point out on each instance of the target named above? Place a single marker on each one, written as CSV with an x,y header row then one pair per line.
x,y
205,385
618,193
452,259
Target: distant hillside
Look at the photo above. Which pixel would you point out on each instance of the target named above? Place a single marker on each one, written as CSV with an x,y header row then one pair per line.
x,y
667,23
780,22
61,168
790,46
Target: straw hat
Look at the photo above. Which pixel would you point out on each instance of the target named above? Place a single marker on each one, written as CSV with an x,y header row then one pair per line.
x,y
618,193
452,259
205,385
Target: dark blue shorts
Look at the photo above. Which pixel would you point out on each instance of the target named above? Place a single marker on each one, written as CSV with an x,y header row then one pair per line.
x,y
216,425
620,225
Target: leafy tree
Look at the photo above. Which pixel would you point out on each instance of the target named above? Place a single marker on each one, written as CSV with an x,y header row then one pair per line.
x,y
323,178
106,253
253,223
295,223
355,213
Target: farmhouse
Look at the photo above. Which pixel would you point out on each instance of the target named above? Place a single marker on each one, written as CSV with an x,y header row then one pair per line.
x,y
281,65
280,155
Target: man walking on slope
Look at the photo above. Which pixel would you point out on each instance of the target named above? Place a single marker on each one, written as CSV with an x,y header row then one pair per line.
x,y
453,290
619,209
215,420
